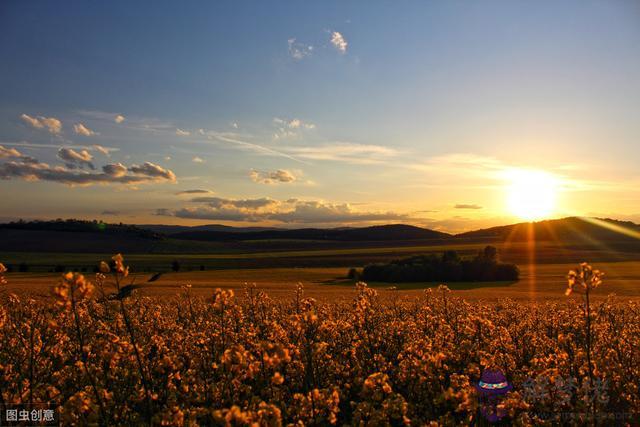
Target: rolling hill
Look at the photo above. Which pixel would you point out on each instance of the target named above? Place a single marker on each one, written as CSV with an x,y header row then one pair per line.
x,y
389,232
572,229
75,236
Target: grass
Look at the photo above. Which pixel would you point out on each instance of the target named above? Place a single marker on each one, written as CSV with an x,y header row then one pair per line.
x,y
518,253
542,281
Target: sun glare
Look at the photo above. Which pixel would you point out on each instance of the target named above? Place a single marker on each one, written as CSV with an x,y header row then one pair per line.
x,y
531,194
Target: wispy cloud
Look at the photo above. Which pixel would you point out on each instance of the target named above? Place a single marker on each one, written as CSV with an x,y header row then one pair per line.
x,y
197,159
467,206
116,173
195,191
31,145
299,50
344,152
339,42
230,139
51,124
290,128
8,152
278,176
287,211
81,129
180,132
104,150
74,159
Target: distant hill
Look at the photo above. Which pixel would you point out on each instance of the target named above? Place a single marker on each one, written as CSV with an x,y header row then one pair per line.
x,y
572,229
77,236
374,233
83,226
174,229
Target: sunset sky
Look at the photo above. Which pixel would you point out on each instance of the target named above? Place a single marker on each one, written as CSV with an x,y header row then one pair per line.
x,y
318,114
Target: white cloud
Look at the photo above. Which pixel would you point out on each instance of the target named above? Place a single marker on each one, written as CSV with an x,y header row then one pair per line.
x,y
153,170
299,50
197,159
339,42
8,152
74,159
52,124
278,176
344,152
119,118
117,173
102,150
288,211
290,128
81,129
181,132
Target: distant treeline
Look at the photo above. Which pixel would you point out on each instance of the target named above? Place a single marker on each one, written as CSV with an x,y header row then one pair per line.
x,y
78,225
448,267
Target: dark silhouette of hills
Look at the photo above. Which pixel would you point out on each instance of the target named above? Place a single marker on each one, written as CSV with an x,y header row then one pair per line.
x,y
374,233
94,236
83,226
572,229
174,229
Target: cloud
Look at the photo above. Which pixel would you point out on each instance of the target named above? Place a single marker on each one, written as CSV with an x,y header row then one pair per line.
x,y
344,152
81,129
73,158
289,128
119,118
338,41
299,50
8,152
57,146
110,212
280,175
181,132
319,212
111,173
197,159
467,206
289,211
116,170
152,170
103,150
52,124
231,139
197,191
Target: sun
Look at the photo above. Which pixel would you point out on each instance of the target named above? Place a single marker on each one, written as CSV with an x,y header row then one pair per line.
x,y
531,194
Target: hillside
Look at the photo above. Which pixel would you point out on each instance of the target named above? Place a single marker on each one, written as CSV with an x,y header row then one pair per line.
x,y
572,229
76,236
375,233
174,229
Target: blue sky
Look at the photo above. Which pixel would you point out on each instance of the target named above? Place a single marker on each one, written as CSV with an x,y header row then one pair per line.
x,y
324,113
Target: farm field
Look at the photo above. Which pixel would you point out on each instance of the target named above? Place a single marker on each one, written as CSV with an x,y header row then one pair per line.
x,y
544,281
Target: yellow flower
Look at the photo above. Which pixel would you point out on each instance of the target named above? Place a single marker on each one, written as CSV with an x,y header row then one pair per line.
x,y
104,267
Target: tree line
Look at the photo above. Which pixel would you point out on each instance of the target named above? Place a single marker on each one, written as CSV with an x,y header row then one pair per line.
x,y
447,267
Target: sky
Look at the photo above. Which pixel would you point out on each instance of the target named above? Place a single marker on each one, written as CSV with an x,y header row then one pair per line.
x,y
327,114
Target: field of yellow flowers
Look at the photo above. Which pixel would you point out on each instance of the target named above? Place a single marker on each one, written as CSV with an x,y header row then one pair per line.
x,y
102,355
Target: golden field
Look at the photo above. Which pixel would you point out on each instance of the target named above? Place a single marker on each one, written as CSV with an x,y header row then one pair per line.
x,y
180,352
